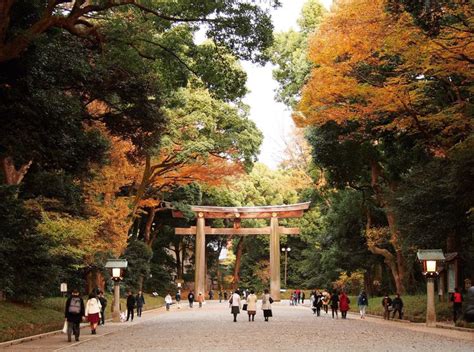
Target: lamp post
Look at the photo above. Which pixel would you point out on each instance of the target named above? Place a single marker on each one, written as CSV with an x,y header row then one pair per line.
x,y
286,250
117,268
430,258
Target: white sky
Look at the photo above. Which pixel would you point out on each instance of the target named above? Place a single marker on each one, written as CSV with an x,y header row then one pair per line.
x,y
271,117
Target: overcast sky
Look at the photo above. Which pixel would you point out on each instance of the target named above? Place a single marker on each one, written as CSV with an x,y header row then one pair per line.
x,y
271,117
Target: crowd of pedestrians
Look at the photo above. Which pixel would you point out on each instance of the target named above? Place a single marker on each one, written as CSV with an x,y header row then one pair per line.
x,y
93,310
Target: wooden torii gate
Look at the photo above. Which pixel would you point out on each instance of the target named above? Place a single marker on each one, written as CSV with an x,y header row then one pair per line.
x,y
237,213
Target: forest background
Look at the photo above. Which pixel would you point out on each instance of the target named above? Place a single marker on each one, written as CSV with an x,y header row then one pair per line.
x,y
111,112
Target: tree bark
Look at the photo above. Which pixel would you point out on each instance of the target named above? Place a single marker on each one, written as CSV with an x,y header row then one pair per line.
x,y
238,259
11,175
148,225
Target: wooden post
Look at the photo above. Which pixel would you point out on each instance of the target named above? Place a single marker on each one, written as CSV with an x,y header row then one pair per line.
x,y
274,258
200,267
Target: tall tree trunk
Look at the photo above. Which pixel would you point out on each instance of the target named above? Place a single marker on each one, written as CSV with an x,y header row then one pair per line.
x,y
177,253
238,258
149,223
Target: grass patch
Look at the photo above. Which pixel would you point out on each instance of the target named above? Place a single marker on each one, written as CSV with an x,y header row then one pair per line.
x,y
22,320
414,308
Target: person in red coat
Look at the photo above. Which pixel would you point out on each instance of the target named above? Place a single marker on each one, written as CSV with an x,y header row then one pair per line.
x,y
344,304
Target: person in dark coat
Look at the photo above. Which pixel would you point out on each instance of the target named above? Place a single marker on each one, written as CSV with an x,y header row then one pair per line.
x,y
397,305
387,306
191,299
469,313
131,301
74,312
103,303
334,303
140,301
318,302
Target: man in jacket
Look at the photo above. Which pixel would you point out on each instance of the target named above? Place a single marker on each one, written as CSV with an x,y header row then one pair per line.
x,y
397,305
191,299
130,305
103,303
140,300
74,311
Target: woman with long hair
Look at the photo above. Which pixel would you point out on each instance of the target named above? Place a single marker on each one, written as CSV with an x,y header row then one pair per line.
x,y
93,309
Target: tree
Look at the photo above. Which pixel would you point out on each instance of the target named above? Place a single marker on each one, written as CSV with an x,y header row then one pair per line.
x,y
239,25
290,54
24,252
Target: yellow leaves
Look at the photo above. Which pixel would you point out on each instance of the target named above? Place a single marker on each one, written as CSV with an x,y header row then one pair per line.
x,y
377,235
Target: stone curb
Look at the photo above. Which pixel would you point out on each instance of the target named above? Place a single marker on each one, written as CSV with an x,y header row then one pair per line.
x,y
458,328
52,333
438,325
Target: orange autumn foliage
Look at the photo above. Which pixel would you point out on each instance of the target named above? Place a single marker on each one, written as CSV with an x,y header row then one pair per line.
x,y
102,201
370,64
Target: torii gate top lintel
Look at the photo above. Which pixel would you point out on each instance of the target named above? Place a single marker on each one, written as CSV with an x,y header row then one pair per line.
x,y
258,212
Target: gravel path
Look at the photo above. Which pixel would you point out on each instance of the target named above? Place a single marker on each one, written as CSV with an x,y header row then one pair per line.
x,y
292,329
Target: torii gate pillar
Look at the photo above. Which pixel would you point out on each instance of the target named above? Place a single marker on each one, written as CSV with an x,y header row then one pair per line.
x,y
200,265
274,258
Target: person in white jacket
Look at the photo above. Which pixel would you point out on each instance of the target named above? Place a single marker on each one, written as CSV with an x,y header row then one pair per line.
x,y
234,303
168,301
93,309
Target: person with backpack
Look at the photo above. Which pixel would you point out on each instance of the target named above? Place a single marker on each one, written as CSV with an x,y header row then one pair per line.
x,y
92,312
103,303
178,299
387,306
334,302
457,299
74,311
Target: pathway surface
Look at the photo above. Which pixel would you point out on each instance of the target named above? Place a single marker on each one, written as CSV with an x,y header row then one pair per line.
x,y
292,329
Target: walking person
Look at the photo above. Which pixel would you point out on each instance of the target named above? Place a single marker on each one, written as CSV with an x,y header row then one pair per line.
x,y
397,305
140,301
457,300
318,302
303,296
168,301
234,303
131,301
387,306
344,304
74,311
92,312
220,296
103,303
211,295
178,299
325,300
200,299
191,299
362,302
225,296
334,302
267,301
252,305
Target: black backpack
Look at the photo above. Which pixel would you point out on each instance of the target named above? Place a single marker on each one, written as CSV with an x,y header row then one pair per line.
x,y
75,305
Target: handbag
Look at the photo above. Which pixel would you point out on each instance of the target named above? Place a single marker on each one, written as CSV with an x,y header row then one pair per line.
x,y
244,307
64,330
270,300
